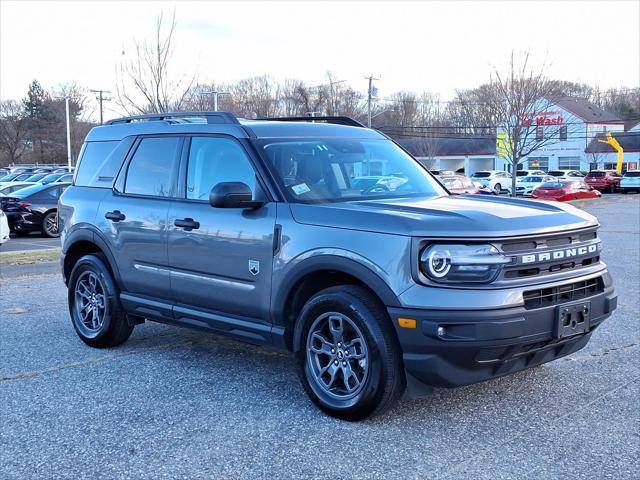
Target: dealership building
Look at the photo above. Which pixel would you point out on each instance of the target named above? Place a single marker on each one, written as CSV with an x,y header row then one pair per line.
x,y
575,125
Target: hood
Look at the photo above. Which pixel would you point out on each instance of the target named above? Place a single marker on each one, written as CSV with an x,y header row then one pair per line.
x,y
447,216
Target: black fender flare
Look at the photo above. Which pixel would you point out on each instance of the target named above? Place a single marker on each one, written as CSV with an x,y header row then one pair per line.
x,y
88,233
327,262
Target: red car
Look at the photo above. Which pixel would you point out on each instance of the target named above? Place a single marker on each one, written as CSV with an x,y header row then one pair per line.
x,y
459,184
565,190
604,180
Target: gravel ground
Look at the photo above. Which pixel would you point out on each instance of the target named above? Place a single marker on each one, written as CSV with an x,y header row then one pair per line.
x,y
173,403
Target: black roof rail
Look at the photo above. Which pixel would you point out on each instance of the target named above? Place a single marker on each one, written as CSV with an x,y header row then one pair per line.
x,y
212,117
338,120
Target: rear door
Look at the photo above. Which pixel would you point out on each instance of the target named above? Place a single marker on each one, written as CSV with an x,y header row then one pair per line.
x,y
133,216
222,262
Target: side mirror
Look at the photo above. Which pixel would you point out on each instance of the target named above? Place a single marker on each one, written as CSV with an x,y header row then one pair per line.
x,y
232,195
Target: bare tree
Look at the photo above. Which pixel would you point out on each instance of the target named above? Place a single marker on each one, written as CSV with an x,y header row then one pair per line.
x,y
521,101
145,83
14,130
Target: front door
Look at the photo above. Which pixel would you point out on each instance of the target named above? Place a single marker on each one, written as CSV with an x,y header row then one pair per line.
x,y
220,258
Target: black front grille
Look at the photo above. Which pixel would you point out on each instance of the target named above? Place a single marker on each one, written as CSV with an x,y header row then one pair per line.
x,y
549,243
545,297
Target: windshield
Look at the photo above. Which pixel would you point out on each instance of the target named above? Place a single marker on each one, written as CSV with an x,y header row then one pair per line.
x,y
597,174
481,175
553,185
632,174
8,177
556,173
521,174
334,170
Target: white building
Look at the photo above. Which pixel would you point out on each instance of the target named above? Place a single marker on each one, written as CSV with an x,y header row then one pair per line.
x,y
573,123
567,151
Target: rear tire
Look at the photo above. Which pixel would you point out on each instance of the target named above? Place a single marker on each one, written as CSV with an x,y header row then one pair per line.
x,y
612,188
50,225
349,356
94,304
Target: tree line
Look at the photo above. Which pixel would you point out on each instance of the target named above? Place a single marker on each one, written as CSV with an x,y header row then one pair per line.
x,y
33,129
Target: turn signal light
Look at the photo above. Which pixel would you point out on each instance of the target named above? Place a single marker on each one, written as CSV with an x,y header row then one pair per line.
x,y
407,322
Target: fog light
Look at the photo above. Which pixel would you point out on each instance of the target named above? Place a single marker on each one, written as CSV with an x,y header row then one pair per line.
x,y
441,331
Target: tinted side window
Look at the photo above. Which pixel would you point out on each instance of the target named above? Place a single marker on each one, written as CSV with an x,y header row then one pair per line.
x,y
95,164
213,160
152,168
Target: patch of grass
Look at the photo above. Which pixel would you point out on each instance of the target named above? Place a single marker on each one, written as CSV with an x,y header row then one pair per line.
x,y
23,258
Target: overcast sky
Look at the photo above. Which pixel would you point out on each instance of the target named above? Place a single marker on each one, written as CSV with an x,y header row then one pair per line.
x,y
418,46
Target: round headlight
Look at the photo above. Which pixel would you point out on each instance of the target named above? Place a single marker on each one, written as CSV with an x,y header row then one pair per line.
x,y
439,262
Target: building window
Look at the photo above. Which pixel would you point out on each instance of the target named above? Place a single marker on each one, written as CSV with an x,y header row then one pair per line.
x,y
539,134
563,133
539,163
569,163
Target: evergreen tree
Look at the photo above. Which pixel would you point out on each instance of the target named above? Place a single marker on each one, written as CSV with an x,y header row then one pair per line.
x,y
34,101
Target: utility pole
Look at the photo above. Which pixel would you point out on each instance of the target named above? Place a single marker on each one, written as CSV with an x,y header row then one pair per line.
x,y
101,99
371,78
215,97
66,105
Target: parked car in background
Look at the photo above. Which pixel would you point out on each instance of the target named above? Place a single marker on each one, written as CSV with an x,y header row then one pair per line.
x,y
496,180
566,174
459,185
12,187
33,209
67,177
565,190
630,182
14,177
62,170
56,177
603,180
4,228
526,185
442,173
484,190
528,173
36,177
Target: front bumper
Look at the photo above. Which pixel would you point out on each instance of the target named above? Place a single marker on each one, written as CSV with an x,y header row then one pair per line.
x,y
477,345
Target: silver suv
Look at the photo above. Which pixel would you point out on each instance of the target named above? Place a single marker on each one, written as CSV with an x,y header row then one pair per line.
x,y
325,238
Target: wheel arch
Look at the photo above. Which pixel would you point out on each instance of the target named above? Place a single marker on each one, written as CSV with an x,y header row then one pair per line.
x,y
316,274
84,241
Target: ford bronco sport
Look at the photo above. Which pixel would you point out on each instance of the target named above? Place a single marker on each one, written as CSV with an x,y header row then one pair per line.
x,y
261,231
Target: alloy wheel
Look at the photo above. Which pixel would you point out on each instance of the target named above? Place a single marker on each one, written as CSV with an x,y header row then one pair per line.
x,y
51,224
90,301
337,355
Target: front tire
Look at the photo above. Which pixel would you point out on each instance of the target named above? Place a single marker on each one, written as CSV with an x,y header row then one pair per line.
x,y
497,188
349,356
94,305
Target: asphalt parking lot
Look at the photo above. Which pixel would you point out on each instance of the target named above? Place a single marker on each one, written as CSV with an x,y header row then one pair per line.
x,y
173,403
35,241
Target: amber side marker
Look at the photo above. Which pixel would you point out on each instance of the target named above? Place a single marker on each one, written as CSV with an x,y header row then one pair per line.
x,y
407,322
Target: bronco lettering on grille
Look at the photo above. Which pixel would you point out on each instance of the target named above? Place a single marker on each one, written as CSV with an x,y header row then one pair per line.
x,y
559,254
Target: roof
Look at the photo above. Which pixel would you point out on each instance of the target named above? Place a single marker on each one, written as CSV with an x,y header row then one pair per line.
x,y
586,110
629,141
441,147
239,128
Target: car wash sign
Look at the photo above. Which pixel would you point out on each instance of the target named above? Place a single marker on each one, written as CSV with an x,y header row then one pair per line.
x,y
541,119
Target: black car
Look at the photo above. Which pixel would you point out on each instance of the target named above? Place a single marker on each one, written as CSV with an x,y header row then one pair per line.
x,y
33,209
